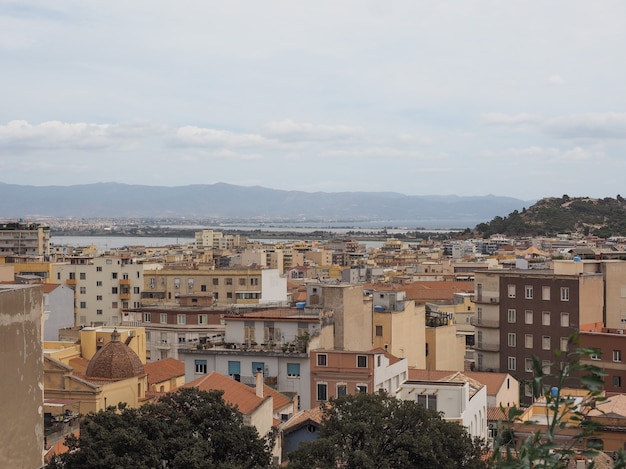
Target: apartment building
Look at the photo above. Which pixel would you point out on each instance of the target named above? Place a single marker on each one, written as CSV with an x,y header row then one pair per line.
x,y
29,239
103,286
399,326
240,286
336,373
611,356
521,314
211,239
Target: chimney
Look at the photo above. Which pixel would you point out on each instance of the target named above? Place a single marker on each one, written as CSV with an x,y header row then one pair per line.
x,y
259,382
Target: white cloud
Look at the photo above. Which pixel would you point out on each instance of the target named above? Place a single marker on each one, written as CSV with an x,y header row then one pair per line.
x,y
510,120
556,80
192,136
550,154
382,153
289,130
610,125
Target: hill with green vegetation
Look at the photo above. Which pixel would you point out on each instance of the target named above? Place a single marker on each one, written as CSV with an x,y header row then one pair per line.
x,y
550,216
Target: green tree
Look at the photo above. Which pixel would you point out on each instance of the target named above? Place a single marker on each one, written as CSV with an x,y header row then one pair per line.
x,y
375,431
186,429
541,449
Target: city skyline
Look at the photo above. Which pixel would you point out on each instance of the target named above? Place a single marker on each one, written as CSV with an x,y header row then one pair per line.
x,y
518,99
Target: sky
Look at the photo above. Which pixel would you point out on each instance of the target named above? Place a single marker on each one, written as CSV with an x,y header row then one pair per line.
x,y
512,98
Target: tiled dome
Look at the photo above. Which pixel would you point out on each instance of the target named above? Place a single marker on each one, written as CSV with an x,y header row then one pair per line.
x,y
115,360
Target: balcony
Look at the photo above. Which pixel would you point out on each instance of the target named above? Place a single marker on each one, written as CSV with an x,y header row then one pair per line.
x,y
484,299
486,323
71,281
483,347
124,281
124,296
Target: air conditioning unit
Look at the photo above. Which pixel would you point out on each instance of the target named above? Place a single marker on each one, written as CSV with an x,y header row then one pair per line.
x,y
100,340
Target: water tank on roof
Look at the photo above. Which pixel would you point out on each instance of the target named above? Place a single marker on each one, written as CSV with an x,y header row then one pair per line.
x,y
576,259
379,309
300,304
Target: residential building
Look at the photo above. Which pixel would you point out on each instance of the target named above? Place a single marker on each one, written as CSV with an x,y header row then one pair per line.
x,y
521,314
243,286
58,303
399,326
336,373
445,349
21,367
22,238
103,286
459,398
611,356
165,375
303,427
274,341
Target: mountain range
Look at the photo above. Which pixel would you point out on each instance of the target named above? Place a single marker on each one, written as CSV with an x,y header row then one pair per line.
x,y
226,201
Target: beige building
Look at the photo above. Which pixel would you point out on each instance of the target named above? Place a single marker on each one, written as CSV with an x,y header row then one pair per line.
x,y
244,286
399,326
103,287
21,366
445,349
30,239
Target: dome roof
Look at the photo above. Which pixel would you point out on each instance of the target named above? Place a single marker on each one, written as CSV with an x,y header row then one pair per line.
x,y
115,360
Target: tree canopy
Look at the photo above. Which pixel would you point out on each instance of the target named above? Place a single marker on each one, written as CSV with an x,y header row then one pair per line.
x,y
186,429
376,431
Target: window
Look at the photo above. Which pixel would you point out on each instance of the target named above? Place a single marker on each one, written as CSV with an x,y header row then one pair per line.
x,y
202,319
83,290
293,370
114,290
258,366
564,344
83,305
564,294
109,261
189,284
216,281
528,341
99,312
163,318
83,276
72,276
98,283
379,331
528,292
229,294
546,366
181,319
177,283
511,291
617,355
511,363
528,365
136,290
147,317
545,318
114,304
203,288
511,315
98,297
342,390
595,356
114,275
564,319
545,293
229,281
58,275
361,361
528,316
427,400
182,339
99,268
617,381
545,342
200,366
361,388
322,392
512,339
234,368
322,359
242,282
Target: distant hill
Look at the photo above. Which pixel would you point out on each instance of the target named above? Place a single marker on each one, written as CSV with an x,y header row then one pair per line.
x,y
219,201
600,217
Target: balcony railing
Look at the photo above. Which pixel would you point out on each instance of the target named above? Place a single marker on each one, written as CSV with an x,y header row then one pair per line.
x,y
481,346
124,281
488,323
486,299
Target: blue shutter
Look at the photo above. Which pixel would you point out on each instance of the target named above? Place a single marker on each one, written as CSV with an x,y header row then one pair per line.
x,y
234,368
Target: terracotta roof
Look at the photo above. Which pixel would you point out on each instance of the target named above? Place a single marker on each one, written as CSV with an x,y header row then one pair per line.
x,y
79,364
115,361
614,407
493,381
392,358
235,393
164,370
48,287
496,413
302,418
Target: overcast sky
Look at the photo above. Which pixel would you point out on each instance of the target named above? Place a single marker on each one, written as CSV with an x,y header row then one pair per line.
x,y
514,98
